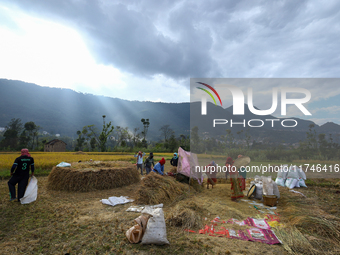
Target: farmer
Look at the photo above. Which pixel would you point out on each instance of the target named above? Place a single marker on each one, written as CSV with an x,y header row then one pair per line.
x,y
159,167
211,173
174,160
149,160
236,189
139,157
22,166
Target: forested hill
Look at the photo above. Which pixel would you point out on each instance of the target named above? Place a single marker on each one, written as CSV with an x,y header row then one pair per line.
x,y
64,111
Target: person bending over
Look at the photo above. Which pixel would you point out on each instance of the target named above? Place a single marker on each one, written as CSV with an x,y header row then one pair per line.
x,y
159,167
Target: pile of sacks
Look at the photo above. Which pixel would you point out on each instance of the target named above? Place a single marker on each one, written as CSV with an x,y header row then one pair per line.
x,y
265,186
292,177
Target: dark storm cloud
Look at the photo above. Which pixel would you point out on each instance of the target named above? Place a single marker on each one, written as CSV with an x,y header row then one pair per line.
x,y
183,39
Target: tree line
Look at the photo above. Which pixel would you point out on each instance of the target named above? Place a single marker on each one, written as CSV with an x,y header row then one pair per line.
x,y
108,138
312,146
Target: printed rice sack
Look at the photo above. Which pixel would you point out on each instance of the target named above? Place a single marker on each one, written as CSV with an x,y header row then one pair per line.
x,y
291,183
280,181
293,173
302,183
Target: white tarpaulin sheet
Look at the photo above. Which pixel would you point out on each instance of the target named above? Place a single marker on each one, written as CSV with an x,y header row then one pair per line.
x,y
116,200
187,165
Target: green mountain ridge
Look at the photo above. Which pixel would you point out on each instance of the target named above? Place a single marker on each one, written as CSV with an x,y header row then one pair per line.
x,y
64,111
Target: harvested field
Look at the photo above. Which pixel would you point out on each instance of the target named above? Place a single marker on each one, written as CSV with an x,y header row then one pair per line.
x,y
91,176
78,223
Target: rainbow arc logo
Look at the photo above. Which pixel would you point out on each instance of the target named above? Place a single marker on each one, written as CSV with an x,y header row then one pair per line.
x,y
208,92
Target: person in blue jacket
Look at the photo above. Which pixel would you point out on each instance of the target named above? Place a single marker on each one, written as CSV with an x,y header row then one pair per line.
x,y
159,167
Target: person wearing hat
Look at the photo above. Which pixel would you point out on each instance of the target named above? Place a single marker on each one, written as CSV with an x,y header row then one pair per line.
x,y
236,188
149,160
20,174
139,157
159,167
174,160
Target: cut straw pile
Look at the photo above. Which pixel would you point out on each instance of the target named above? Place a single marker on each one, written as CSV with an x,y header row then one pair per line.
x,y
92,176
157,189
186,215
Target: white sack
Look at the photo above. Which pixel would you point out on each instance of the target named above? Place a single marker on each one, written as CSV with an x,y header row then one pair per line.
x,y
276,190
31,192
301,173
302,183
155,232
258,191
267,186
291,183
283,172
280,181
293,172
64,164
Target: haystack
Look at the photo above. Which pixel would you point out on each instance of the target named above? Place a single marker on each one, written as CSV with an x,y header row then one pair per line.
x,y
186,215
91,176
157,189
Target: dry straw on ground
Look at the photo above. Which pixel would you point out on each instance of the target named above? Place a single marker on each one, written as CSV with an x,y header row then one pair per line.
x,y
186,215
89,176
156,189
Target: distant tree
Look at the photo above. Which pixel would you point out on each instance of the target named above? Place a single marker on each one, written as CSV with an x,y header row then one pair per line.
x,y
172,143
184,142
146,124
195,140
106,131
312,138
229,138
32,132
166,132
80,141
11,135
135,137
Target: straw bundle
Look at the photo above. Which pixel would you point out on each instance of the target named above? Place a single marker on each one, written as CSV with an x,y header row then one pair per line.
x,y
92,176
156,189
186,215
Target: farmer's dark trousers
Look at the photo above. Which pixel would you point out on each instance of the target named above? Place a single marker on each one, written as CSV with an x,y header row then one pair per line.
x,y
148,169
141,168
22,184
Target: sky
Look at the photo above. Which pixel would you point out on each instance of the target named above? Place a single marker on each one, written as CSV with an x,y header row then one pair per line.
x,y
148,50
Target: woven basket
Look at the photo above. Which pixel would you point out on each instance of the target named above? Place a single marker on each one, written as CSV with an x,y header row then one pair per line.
x,y
270,200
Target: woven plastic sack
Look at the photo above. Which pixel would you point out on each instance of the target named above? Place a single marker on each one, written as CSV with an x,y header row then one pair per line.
x,y
302,183
64,164
283,171
276,190
156,230
258,191
280,181
267,183
291,183
31,192
293,172
301,173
